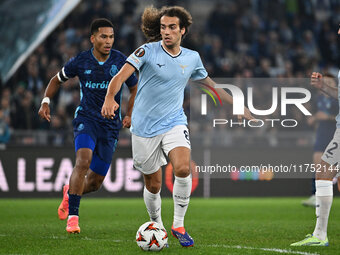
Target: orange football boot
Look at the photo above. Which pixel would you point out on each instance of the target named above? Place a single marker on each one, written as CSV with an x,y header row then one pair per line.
x,y
63,207
73,225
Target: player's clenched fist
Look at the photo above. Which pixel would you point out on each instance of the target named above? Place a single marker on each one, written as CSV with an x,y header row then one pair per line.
x,y
44,112
316,80
127,122
109,107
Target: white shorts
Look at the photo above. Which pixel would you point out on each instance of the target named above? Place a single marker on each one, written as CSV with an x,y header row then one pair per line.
x,y
148,152
332,153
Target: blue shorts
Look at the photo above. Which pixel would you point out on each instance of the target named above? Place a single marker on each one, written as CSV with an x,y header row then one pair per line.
x,y
88,134
323,137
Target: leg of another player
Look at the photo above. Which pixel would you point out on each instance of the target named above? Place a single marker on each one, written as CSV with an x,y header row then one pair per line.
x,y
77,184
152,196
316,161
324,199
93,181
180,159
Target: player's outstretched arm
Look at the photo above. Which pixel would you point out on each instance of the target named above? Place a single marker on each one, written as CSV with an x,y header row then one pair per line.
x,y
127,118
227,98
52,88
317,82
110,105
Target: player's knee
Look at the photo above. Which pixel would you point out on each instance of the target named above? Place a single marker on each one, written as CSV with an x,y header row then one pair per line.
x,y
182,170
82,164
154,186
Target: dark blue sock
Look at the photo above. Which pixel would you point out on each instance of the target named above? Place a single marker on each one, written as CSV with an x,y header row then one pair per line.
x,y
73,204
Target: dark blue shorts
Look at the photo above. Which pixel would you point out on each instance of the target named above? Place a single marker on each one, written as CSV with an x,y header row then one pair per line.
x,y
323,138
88,134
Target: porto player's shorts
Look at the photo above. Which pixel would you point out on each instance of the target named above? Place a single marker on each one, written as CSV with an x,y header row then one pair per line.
x,y
88,134
148,152
323,137
332,152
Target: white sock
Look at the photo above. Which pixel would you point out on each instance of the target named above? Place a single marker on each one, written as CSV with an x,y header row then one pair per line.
x,y
324,199
153,204
71,216
181,196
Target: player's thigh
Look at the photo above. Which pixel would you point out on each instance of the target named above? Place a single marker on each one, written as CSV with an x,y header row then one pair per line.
x,y
317,157
176,144
180,160
83,159
84,134
147,154
325,172
330,157
102,155
331,154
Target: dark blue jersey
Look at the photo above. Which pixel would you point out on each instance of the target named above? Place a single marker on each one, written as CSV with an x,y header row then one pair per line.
x,y
94,78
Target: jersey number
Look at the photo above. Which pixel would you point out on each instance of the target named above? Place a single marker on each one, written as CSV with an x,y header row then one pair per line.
x,y
333,148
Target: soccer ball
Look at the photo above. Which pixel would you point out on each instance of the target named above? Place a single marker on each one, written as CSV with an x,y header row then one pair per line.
x,y
151,236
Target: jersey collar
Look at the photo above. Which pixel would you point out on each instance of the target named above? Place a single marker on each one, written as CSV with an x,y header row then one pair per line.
x,y
100,62
167,52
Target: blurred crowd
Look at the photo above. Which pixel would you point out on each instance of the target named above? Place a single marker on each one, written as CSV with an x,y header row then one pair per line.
x,y
244,38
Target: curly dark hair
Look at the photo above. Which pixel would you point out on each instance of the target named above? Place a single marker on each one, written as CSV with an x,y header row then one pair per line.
x,y
151,20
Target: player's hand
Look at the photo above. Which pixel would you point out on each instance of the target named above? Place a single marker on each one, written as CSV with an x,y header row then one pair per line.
x,y
44,112
109,108
127,122
311,120
316,80
247,115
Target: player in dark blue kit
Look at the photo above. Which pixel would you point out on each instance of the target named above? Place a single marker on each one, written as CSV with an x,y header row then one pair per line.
x,y
95,137
327,109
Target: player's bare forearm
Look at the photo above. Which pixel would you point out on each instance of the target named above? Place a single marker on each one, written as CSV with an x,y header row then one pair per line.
x,y
133,92
329,90
319,116
225,97
114,86
118,80
318,82
52,87
110,105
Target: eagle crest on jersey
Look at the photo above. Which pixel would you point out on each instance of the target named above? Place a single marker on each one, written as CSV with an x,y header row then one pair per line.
x,y
140,52
113,70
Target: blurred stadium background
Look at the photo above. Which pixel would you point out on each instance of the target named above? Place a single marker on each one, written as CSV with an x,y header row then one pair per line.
x,y
244,38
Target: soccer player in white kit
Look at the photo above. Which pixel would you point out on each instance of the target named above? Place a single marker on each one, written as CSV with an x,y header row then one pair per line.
x,y
158,122
323,182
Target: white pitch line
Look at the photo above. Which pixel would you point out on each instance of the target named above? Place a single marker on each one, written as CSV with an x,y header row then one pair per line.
x,y
212,245
87,239
262,249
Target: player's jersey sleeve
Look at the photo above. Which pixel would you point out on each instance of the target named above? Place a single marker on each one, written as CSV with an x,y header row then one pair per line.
x,y
139,57
132,81
199,72
69,70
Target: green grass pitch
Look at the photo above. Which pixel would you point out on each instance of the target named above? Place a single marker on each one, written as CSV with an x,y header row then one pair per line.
x,y
219,226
